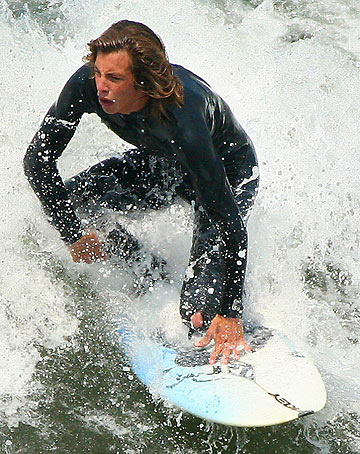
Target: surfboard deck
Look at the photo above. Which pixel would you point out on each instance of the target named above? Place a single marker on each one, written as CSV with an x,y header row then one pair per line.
x,y
273,384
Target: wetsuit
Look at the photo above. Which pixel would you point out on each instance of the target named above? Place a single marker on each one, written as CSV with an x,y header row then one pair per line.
x,y
200,153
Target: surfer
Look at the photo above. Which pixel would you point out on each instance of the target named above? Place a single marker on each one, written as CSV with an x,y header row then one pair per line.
x,y
188,145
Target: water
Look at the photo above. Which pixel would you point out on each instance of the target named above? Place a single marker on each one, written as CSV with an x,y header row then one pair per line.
x,y
290,71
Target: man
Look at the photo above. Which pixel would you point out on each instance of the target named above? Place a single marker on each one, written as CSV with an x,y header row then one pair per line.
x,y
188,145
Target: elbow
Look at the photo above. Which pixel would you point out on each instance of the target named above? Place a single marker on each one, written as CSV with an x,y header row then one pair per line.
x,y
28,164
32,165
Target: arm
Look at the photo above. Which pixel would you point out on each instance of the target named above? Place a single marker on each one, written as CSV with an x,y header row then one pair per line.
x,y
214,194
226,328
40,166
40,162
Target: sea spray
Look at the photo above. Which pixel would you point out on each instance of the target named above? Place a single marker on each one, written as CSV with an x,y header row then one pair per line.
x,y
290,72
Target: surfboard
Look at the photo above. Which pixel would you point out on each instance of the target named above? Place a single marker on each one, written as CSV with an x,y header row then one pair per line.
x,y
272,384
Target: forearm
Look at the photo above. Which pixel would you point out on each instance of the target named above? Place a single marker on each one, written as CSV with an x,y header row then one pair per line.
x,y
42,173
234,252
40,162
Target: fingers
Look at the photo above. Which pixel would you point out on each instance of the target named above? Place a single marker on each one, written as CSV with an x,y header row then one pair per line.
x,y
96,251
228,335
247,347
238,352
224,350
225,358
226,353
217,351
213,357
204,341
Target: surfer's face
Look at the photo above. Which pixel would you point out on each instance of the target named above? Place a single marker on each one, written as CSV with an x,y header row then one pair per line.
x,y
115,83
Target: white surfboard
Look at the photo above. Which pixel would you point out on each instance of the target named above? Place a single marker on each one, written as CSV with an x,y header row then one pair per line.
x,y
273,384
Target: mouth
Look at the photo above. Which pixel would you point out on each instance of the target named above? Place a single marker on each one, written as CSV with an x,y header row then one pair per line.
x,y
106,102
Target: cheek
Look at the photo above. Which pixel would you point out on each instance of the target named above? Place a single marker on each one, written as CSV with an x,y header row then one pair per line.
x,y
124,91
119,90
127,89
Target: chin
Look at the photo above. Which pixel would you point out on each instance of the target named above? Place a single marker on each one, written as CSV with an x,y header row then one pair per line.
x,y
109,109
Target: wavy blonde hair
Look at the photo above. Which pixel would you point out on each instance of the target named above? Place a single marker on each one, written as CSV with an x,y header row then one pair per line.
x,y
150,65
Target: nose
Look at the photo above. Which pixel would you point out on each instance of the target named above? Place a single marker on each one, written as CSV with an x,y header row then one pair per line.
x,y
101,85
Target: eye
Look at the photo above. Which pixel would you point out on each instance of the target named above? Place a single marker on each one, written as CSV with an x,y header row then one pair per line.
x,y
116,78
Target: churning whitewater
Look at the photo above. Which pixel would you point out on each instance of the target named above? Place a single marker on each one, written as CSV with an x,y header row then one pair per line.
x,y
289,69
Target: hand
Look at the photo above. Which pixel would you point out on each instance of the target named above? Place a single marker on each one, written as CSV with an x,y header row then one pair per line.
x,y
87,249
229,338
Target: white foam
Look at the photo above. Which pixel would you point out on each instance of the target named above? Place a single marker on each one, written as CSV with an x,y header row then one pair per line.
x,y
299,103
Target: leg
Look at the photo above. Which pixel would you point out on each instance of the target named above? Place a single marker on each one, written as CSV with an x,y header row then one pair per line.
x,y
147,268
135,181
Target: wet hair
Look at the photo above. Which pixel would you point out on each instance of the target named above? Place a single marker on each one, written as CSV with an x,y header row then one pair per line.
x,y
150,66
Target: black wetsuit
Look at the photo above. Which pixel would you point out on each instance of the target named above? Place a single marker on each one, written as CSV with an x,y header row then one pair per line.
x,y
200,153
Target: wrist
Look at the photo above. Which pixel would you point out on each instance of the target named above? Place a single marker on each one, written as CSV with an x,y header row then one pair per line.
x,y
231,308
73,239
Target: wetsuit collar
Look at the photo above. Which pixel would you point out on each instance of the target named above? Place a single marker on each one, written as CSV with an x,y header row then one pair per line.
x,y
145,112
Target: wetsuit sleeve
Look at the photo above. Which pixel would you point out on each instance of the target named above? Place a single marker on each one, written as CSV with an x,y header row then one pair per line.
x,y
215,195
40,162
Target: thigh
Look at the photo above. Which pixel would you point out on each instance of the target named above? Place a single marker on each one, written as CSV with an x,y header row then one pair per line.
x,y
136,180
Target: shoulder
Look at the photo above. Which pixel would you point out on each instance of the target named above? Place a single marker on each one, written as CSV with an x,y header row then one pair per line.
x,y
80,76
195,119
75,97
197,94
194,86
78,81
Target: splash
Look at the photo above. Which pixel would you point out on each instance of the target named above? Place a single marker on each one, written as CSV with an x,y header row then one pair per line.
x,y
289,70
